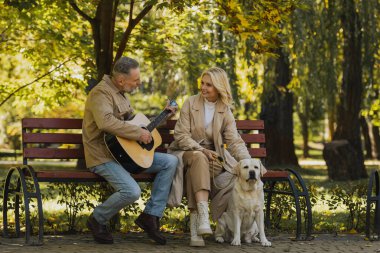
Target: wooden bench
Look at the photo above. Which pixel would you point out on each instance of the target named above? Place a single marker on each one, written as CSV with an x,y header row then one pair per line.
x,y
59,138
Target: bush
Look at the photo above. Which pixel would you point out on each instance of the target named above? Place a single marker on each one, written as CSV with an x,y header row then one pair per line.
x,y
73,196
283,211
353,198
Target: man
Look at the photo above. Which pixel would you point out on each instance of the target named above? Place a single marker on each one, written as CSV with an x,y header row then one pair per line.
x,y
105,111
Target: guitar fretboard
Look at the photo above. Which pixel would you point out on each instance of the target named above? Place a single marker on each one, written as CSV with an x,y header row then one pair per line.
x,y
152,125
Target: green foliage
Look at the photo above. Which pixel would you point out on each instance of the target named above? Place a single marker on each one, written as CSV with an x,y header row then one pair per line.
x,y
74,197
156,103
282,208
346,208
176,42
260,20
13,133
176,218
34,47
352,198
2,181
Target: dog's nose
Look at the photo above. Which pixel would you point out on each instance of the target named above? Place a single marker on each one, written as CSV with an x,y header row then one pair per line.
x,y
252,174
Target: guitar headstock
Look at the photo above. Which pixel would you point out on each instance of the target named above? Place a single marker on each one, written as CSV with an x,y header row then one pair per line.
x,y
173,103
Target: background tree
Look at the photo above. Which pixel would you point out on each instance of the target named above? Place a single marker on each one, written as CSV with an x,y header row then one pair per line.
x,y
277,112
245,19
103,25
306,48
370,50
348,120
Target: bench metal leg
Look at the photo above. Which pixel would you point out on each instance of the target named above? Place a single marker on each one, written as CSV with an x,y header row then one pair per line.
x,y
269,201
28,170
26,206
305,194
5,201
12,191
17,206
298,208
23,191
297,194
373,184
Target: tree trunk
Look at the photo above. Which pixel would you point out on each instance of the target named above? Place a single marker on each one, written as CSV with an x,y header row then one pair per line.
x,y
366,136
305,137
305,133
102,26
230,45
103,31
330,67
376,140
348,121
277,112
341,160
107,24
331,118
370,48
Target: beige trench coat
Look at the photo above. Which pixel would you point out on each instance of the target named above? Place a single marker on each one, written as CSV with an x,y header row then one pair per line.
x,y
189,132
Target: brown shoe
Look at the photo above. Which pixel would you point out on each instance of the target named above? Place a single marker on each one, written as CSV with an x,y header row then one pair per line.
x,y
150,224
99,231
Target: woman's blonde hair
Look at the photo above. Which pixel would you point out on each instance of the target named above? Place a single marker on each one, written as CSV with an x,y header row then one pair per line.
x,y
220,81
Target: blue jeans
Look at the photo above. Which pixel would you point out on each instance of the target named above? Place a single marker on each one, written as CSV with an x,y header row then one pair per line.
x,y
128,191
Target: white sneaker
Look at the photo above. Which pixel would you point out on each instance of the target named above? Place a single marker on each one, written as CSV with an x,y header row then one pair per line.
x,y
203,219
195,239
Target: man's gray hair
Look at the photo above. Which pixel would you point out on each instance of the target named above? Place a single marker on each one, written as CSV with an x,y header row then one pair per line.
x,y
124,65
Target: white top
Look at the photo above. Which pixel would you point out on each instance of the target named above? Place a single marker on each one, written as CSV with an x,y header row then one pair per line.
x,y
209,112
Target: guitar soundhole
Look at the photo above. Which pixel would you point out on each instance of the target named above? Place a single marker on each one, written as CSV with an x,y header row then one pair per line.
x,y
148,146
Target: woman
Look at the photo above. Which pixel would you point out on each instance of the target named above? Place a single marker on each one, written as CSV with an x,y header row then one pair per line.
x,y
205,124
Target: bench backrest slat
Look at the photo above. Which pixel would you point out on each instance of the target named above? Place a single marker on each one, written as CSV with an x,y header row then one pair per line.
x,y
253,138
53,153
250,124
52,138
52,123
257,152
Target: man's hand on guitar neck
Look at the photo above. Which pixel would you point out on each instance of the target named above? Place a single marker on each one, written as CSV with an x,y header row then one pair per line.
x,y
145,136
171,108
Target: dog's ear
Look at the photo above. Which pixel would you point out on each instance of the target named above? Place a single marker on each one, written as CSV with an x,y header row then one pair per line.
x,y
237,169
263,170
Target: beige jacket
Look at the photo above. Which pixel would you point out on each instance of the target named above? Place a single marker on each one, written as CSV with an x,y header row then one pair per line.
x,y
105,111
189,132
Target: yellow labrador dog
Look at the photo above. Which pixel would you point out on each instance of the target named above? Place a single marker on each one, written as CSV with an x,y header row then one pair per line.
x,y
244,215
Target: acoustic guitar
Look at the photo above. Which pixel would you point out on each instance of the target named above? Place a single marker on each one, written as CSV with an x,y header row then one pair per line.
x,y
133,155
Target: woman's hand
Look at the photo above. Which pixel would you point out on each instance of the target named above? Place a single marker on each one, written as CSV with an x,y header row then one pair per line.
x,y
211,155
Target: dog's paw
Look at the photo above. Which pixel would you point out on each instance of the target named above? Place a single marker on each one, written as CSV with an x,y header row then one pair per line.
x,y
266,243
219,239
255,239
236,242
248,238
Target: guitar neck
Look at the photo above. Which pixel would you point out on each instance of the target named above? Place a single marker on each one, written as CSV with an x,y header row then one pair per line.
x,y
157,121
